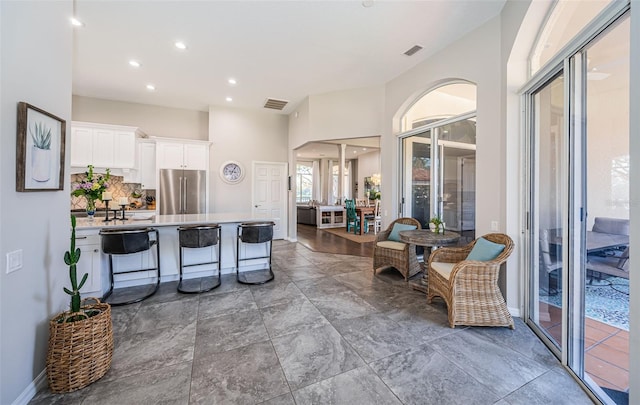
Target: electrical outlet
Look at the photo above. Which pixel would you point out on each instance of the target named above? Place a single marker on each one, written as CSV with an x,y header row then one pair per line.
x,y
14,261
494,225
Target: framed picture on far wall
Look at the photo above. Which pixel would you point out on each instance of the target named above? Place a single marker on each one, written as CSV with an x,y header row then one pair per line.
x,y
40,150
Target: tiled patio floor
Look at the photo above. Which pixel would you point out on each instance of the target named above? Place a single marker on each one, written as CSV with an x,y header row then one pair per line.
x,y
607,349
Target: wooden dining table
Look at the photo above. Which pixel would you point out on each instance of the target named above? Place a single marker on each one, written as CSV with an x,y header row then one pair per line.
x,y
361,212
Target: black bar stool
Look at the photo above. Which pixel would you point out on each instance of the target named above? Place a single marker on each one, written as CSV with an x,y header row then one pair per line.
x,y
194,237
254,232
128,241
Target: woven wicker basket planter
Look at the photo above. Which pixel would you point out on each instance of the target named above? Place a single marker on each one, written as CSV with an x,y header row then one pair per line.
x,y
79,352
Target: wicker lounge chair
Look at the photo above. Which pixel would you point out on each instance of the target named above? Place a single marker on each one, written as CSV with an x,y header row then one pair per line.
x,y
399,255
470,289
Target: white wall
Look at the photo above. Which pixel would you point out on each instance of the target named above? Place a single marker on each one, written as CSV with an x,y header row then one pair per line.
x,y
368,164
344,114
299,132
244,136
152,120
36,55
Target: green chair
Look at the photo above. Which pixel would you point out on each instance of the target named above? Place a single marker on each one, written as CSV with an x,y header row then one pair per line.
x,y
353,221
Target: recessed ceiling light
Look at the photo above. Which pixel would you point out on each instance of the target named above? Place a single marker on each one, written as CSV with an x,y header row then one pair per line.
x,y
76,23
180,45
364,148
355,151
229,99
134,63
232,81
151,87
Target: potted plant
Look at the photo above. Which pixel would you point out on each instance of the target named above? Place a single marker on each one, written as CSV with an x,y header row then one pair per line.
x,y
80,339
436,224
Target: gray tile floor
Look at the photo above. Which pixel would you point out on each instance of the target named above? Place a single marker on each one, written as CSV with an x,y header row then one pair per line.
x,y
325,331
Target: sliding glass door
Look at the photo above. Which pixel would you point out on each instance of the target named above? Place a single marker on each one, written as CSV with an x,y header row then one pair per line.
x,y
549,185
578,210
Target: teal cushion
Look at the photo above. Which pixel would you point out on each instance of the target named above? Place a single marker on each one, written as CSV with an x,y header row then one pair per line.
x,y
397,228
485,250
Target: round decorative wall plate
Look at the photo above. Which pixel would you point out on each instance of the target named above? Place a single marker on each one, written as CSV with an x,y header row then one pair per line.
x,y
232,172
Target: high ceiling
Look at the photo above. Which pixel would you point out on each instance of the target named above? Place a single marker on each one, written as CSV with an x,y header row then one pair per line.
x,y
284,50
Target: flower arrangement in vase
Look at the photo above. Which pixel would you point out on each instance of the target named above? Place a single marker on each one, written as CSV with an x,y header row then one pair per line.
x,y
92,188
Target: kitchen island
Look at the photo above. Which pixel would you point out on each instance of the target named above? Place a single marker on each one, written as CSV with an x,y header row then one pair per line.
x,y
94,262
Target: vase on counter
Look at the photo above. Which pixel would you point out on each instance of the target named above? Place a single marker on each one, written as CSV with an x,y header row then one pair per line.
x,y
91,208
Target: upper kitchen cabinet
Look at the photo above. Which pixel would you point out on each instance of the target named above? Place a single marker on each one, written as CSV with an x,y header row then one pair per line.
x,y
103,145
147,164
193,155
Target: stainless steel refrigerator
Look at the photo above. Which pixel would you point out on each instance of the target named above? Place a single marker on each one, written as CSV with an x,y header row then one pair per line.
x,y
182,191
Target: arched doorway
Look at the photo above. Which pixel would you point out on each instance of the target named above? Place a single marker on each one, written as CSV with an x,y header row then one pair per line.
x,y
438,156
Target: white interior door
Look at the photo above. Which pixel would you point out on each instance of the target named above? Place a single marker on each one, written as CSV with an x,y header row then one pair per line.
x,y
269,200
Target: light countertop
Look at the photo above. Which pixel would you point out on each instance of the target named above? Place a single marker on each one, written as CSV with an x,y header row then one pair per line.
x,y
148,219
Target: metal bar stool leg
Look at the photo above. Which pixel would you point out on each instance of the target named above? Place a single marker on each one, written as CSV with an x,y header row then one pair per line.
x,y
199,236
129,241
253,233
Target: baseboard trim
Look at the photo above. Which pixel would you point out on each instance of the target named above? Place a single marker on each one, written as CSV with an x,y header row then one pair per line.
x,y
32,389
515,312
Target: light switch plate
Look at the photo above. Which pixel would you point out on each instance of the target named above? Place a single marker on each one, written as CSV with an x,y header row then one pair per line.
x,y
494,225
14,261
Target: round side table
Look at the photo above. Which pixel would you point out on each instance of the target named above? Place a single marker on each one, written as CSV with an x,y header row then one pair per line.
x,y
430,239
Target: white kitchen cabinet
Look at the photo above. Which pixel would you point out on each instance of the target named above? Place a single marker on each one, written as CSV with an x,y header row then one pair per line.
x,y
147,164
170,155
193,155
196,157
90,263
81,147
124,143
103,146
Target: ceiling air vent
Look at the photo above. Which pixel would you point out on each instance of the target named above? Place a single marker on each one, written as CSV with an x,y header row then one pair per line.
x,y
413,50
275,104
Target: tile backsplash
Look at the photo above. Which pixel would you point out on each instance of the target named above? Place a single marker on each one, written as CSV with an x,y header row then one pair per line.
x,y
116,186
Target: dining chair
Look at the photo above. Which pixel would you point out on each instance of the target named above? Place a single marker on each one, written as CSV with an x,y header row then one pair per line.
x,y
375,220
550,262
353,220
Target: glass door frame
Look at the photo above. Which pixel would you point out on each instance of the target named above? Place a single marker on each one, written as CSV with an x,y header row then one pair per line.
x,y
435,198
572,62
531,236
